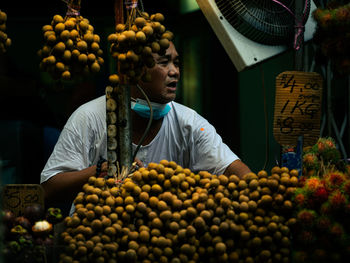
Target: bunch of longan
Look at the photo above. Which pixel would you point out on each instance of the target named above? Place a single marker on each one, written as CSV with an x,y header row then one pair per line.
x,y
71,48
166,213
134,42
5,41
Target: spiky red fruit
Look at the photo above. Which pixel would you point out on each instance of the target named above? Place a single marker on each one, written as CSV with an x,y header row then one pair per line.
x,y
346,187
312,184
325,208
337,200
321,194
306,237
337,230
334,180
300,199
323,223
310,161
306,217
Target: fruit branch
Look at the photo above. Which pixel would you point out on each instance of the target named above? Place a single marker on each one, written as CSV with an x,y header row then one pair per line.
x,y
73,7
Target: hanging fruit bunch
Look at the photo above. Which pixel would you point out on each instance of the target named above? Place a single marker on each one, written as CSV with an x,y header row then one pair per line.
x,y
322,206
71,47
132,46
135,40
5,41
166,213
332,35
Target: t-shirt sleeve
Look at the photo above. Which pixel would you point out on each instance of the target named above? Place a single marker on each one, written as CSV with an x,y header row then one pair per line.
x,y
70,153
209,153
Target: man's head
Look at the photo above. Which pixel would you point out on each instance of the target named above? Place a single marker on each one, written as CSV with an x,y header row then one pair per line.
x,y
164,77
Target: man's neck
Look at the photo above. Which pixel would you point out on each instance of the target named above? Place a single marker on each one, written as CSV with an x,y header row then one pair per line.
x,y
139,125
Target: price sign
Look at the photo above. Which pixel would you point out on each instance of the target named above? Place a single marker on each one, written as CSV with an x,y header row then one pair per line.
x,y
17,196
298,103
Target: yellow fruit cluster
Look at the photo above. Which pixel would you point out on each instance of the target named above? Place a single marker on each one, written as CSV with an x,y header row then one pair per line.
x,y
5,41
166,213
71,48
134,42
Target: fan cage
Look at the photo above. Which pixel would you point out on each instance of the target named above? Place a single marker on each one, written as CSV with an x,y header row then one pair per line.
x,y
263,21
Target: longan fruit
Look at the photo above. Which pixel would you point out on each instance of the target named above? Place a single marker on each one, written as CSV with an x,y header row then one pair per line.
x,y
114,79
276,169
153,201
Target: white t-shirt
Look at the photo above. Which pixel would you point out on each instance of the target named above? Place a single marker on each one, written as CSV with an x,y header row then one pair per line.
x,y
184,137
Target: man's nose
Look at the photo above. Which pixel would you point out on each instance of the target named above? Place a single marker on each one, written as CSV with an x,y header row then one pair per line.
x,y
173,70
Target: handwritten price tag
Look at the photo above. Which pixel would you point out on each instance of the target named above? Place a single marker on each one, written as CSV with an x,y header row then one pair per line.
x,y
298,103
17,196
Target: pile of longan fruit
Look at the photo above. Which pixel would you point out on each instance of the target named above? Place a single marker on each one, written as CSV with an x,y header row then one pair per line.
x,y
5,41
71,48
166,213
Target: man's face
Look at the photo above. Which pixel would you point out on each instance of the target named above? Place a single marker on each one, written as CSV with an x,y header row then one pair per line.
x,y
164,77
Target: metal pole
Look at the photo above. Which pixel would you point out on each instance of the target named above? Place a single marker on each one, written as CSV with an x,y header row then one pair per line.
x,y
299,66
124,152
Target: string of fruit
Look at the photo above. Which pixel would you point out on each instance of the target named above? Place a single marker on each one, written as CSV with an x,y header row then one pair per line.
x,y
332,34
322,206
166,213
131,46
71,47
5,41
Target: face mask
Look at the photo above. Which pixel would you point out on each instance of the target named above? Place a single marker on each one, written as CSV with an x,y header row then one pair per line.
x,y
141,108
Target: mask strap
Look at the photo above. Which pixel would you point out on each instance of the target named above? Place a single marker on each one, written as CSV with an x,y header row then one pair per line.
x,y
148,124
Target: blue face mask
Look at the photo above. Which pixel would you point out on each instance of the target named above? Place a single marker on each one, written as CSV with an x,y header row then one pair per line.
x,y
141,108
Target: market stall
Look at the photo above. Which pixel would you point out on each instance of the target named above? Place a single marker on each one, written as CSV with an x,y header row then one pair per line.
x,y
296,212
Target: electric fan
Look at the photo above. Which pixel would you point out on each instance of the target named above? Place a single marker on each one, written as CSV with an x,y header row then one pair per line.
x,y
252,31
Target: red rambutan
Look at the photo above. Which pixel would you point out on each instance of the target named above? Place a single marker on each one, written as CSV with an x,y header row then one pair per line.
x,y
300,199
300,256
312,184
319,254
325,20
310,161
342,15
346,187
321,194
301,181
323,223
335,179
306,237
347,208
337,200
306,217
326,208
337,231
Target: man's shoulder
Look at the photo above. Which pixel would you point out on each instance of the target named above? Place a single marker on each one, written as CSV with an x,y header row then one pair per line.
x,y
93,109
185,113
180,108
93,104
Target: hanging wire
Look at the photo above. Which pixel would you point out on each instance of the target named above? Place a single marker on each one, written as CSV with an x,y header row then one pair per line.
x,y
148,124
141,4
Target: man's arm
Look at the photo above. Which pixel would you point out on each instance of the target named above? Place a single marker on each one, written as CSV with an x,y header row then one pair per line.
x,y
67,185
238,168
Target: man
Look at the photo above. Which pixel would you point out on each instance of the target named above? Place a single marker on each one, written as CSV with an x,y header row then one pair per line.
x,y
177,133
